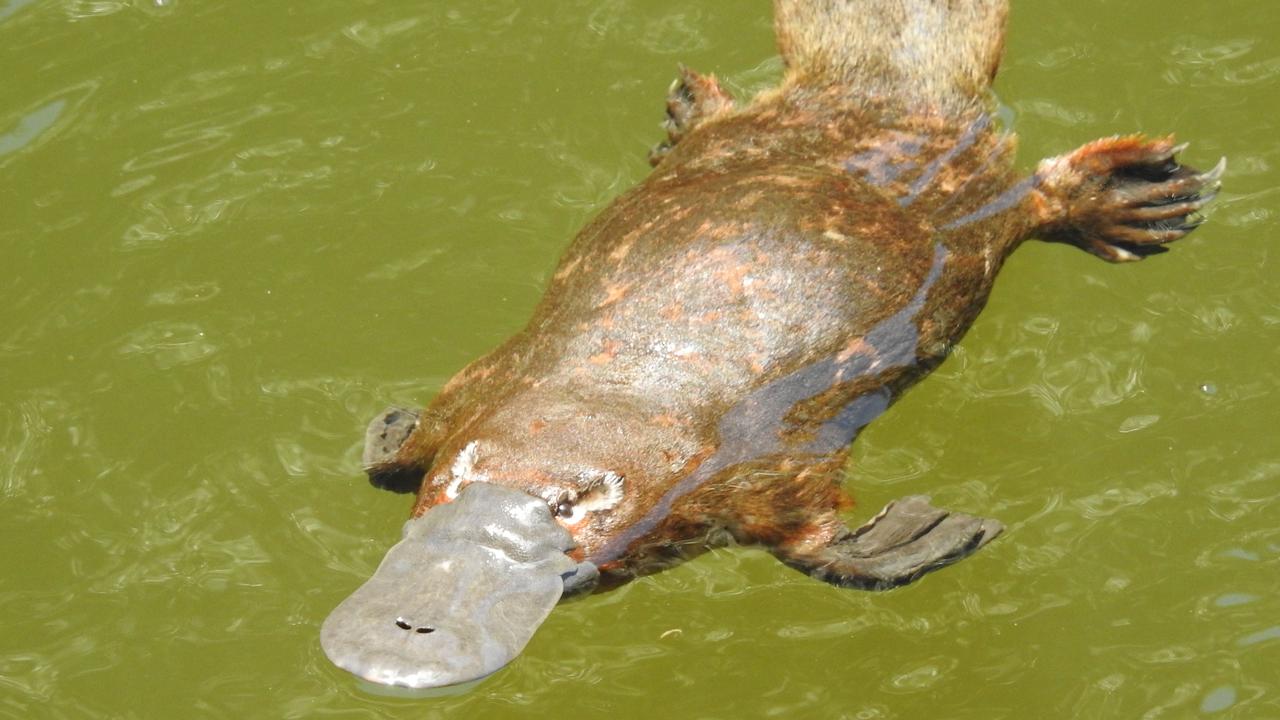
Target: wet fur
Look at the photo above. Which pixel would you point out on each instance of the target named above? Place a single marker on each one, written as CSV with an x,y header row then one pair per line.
x,y
778,237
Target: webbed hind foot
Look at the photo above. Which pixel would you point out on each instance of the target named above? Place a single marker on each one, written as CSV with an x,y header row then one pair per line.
x,y
908,539
692,99
1123,198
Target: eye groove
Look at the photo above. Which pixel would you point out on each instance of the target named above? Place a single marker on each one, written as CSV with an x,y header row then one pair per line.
x,y
426,629
400,623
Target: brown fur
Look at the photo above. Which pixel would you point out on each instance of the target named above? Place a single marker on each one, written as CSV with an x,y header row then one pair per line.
x,y
934,54
718,335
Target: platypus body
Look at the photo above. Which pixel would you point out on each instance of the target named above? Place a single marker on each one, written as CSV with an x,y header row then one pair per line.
x,y
713,341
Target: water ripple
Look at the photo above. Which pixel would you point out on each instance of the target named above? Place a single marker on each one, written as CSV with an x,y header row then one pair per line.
x,y
26,433
43,120
169,344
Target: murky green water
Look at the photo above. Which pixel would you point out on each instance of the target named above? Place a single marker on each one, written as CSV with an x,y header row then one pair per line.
x,y
231,232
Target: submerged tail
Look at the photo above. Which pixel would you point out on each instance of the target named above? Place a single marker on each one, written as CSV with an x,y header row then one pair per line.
x,y
937,52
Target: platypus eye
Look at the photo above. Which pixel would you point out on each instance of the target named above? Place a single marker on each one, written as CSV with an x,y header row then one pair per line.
x,y
593,494
568,508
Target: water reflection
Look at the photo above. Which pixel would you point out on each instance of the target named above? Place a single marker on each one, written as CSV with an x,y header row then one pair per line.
x,y
1218,699
30,126
11,8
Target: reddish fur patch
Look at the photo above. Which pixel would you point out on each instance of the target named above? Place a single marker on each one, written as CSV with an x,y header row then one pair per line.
x,y
567,269
733,272
613,292
1100,157
607,355
750,199
620,253
857,346
672,312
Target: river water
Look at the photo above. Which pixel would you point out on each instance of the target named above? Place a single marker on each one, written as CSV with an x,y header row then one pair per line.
x,y
232,232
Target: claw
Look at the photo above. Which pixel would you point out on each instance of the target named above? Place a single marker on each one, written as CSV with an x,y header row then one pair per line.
x,y
1157,215
1123,198
1206,198
1112,252
1164,211
1213,174
692,99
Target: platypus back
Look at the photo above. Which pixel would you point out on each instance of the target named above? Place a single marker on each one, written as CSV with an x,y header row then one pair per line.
x,y
933,54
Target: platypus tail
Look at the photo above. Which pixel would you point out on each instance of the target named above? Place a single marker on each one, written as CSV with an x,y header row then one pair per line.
x,y
935,53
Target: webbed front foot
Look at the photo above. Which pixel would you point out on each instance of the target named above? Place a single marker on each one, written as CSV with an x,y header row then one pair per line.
x,y
386,433
908,539
1123,198
692,99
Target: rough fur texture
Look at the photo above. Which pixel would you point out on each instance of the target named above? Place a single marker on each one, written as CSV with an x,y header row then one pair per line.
x,y
930,53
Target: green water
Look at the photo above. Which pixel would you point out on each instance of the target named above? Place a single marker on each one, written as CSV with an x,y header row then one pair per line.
x,y
231,232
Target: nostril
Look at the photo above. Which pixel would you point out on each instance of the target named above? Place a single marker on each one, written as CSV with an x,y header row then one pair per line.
x,y
405,625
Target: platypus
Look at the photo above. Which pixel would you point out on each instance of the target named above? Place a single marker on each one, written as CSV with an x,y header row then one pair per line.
x,y
712,342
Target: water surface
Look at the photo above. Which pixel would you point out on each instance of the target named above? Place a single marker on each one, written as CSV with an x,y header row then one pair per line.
x,y
232,232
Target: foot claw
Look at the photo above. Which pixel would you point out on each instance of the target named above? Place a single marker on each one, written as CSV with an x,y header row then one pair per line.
x,y
1215,173
1123,198
691,99
1174,209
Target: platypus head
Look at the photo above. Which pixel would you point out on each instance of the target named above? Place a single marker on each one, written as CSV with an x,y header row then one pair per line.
x,y
461,593
511,516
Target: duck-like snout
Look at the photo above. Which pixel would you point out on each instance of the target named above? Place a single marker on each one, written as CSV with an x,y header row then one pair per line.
x,y
461,593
